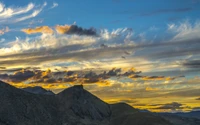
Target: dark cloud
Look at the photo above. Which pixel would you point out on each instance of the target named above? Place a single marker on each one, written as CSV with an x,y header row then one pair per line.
x,y
153,77
196,108
91,77
132,73
103,46
34,75
173,53
2,68
18,76
198,98
192,64
114,72
136,76
171,106
162,11
21,76
74,29
4,76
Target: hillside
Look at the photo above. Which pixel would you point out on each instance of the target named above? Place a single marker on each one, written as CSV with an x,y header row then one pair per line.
x,y
73,106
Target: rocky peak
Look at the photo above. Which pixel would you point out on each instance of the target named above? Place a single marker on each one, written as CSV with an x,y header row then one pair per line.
x,y
84,104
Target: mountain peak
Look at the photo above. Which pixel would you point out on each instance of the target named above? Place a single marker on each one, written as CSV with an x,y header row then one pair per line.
x,y
78,86
83,103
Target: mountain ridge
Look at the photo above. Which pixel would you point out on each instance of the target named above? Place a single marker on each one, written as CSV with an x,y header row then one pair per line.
x,y
73,106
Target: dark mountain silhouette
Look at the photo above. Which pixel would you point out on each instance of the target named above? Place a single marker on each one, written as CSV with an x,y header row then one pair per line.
x,y
192,114
73,106
38,90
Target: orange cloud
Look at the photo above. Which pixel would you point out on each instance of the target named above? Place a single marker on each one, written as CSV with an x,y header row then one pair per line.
x,y
41,29
62,29
158,78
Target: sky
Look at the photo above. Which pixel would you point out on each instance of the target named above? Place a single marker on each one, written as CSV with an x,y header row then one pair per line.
x,y
144,53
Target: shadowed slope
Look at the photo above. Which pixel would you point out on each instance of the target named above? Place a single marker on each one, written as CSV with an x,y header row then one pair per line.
x,y
18,107
123,114
83,103
38,90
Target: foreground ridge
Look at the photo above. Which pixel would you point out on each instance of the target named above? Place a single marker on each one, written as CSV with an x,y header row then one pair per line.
x,y
73,106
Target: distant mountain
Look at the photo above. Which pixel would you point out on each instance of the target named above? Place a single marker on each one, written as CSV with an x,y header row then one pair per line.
x,y
73,106
192,114
179,120
38,90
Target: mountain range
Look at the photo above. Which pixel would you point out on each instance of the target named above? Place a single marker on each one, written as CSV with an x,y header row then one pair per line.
x,y
74,106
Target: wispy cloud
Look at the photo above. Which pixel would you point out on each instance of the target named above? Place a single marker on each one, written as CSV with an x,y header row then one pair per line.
x,y
17,14
185,30
8,12
4,30
54,5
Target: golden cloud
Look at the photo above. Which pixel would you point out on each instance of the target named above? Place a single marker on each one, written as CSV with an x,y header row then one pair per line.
x,y
41,29
151,89
62,29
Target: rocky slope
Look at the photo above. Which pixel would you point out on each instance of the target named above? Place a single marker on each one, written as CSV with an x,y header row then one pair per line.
x,y
73,106
38,90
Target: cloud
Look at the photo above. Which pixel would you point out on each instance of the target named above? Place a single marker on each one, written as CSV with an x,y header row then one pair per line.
x,y
4,30
59,44
33,14
82,49
11,70
185,30
31,75
54,5
74,29
151,89
18,76
171,106
163,11
196,109
7,12
156,78
197,99
192,64
18,14
190,92
41,29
